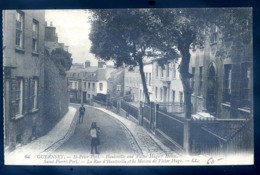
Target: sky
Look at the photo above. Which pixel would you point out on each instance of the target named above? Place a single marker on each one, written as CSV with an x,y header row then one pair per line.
x,y
73,28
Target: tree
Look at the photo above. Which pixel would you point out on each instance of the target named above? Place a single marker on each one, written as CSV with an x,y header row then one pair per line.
x,y
182,28
127,37
62,59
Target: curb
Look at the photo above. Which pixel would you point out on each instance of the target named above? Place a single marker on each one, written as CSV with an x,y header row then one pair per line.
x,y
58,143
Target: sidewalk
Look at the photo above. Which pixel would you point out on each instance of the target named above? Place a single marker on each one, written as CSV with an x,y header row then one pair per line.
x,y
147,143
48,143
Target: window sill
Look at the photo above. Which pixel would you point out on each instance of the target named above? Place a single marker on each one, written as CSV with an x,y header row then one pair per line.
x,y
18,117
35,53
18,49
244,109
226,105
214,43
34,110
199,96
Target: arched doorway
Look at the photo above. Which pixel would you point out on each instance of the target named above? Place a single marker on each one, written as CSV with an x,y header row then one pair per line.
x,y
211,101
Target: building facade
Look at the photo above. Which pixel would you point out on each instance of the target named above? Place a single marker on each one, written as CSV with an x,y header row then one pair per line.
x,y
132,83
167,86
223,80
76,84
115,82
23,49
86,83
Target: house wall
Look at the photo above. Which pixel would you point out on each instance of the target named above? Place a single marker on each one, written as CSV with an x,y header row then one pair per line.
x,y
219,54
26,64
56,95
169,84
132,83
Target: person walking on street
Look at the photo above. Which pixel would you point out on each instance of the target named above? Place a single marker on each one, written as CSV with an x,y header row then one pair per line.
x,y
94,133
81,113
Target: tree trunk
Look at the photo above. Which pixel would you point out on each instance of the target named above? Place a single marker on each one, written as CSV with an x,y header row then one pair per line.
x,y
185,78
141,69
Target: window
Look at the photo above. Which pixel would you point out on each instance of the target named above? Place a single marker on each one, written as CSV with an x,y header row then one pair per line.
x,y
19,29
173,96
150,76
245,85
85,85
227,83
192,79
118,88
35,38
214,36
35,93
200,80
19,97
75,85
161,93
181,97
156,92
161,72
89,86
157,70
167,71
70,84
101,86
146,77
93,86
174,71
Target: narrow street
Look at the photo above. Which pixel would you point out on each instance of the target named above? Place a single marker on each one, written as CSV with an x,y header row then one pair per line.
x,y
113,137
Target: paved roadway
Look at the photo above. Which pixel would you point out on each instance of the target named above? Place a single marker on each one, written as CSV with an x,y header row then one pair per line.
x,y
113,136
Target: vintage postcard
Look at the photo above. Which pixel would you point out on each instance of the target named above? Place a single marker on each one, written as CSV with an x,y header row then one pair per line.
x,y
128,87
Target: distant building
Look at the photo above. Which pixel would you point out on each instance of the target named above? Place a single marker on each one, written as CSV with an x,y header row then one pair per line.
x,y
116,83
148,68
88,82
75,77
132,81
23,48
77,66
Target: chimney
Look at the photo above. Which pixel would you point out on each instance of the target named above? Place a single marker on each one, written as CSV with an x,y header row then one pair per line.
x,y
101,64
87,64
51,24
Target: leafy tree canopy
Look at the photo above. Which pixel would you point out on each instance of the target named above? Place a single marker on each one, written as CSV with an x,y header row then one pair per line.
x,y
62,59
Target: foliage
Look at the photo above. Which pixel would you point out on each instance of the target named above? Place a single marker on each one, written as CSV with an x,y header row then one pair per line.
x,y
127,37
62,59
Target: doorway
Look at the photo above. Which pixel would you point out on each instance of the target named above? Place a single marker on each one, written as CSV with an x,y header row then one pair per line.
x,y
211,101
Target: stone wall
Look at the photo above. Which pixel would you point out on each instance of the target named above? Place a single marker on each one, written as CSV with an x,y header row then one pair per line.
x,y
56,97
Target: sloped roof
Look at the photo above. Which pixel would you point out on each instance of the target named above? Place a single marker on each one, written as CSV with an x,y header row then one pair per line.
x,y
82,73
99,74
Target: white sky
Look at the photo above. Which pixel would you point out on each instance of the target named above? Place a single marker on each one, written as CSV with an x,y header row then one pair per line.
x,y
73,28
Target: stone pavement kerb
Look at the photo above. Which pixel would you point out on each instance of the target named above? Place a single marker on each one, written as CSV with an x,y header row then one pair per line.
x,y
49,142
